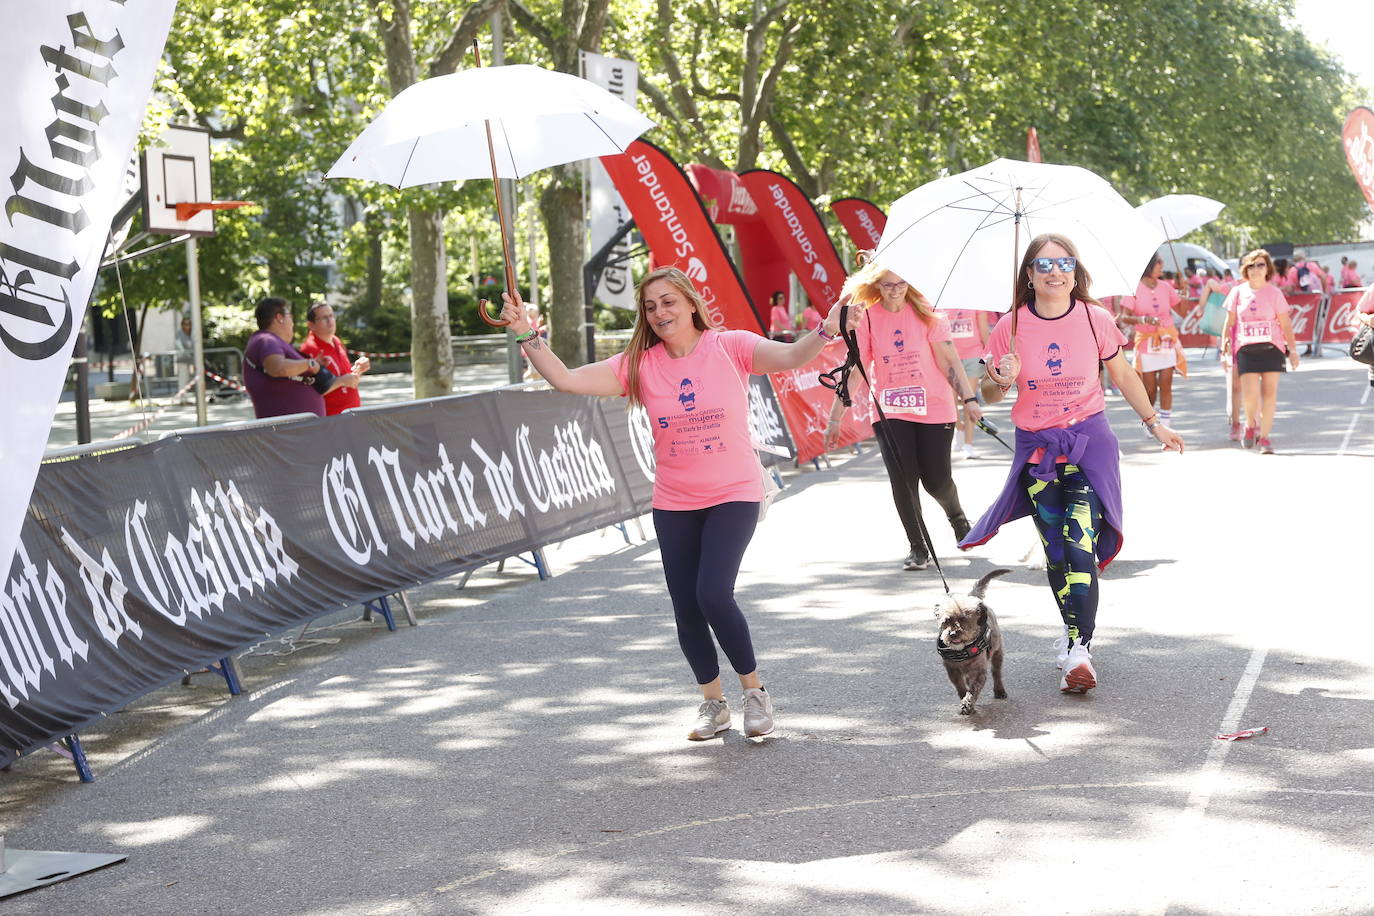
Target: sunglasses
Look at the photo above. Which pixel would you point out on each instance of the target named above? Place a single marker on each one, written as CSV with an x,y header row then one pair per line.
x,y
1260,264
1065,265
893,287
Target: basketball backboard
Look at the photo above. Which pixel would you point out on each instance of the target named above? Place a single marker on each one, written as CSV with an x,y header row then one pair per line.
x,y
177,170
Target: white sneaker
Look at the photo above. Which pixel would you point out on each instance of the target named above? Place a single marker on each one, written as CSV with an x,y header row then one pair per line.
x,y
968,450
713,717
1079,676
1061,649
758,712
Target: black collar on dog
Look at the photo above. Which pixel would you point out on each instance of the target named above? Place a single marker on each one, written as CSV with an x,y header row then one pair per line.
x,y
972,650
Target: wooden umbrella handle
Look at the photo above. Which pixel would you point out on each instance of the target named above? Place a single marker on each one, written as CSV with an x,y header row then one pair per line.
x,y
500,218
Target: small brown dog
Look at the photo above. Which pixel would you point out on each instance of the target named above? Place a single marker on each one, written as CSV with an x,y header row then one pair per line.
x,y
970,642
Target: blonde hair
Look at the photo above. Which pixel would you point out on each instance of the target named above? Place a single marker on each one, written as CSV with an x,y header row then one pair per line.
x,y
644,337
862,287
1259,254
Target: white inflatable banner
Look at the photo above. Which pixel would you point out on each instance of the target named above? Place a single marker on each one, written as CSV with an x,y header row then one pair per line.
x,y
76,77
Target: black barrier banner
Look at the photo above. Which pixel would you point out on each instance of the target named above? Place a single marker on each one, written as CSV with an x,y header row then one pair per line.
x,y
766,424
136,565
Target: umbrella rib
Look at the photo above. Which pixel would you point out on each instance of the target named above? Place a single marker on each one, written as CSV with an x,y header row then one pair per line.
x,y
588,116
401,182
509,152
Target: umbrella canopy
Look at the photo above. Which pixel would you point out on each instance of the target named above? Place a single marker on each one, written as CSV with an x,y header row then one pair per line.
x,y
435,130
960,239
1179,214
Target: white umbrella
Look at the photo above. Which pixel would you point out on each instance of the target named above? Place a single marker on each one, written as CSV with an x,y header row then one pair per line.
x,y
497,122
1179,214
436,129
960,239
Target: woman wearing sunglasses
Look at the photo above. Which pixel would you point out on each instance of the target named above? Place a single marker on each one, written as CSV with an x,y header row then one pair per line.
x,y
917,377
1257,312
1151,312
1065,473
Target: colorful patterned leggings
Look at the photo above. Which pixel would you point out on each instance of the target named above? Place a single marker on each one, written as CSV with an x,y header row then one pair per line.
x,y
1068,515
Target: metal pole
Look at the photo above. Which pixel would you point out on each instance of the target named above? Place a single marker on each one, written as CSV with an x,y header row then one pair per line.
x,y
506,213
83,384
198,348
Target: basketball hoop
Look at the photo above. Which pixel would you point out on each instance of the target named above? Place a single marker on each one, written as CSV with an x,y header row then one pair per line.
x,y
188,209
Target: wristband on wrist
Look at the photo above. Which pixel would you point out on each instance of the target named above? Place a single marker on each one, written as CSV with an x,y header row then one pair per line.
x,y
820,332
530,335
1146,422
972,400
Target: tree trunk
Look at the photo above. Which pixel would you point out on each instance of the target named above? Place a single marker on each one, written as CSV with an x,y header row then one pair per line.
x,y
373,225
431,352
561,207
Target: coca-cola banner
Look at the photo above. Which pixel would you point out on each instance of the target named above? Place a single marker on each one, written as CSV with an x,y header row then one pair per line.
x,y
806,404
136,565
1303,314
1358,140
862,219
679,232
1340,324
800,235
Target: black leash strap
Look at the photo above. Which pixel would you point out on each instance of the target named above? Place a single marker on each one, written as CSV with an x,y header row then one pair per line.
x,y
851,342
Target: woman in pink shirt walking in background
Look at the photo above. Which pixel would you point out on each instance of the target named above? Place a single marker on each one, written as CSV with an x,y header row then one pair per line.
x,y
1258,313
1151,313
1350,277
968,329
692,380
917,379
1066,472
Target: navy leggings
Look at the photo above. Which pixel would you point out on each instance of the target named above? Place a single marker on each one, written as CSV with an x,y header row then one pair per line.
x,y
702,550
1068,515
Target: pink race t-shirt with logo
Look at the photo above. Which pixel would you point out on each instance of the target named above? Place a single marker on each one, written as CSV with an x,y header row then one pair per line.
x,y
1151,303
963,330
896,349
779,319
1058,384
698,408
1257,314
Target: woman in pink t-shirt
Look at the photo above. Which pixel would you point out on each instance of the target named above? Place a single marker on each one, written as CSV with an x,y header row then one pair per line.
x,y
968,329
1350,276
1066,471
916,378
1258,314
692,379
1151,313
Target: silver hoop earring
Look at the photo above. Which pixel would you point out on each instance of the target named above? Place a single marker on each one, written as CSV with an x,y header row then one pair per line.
x,y
1030,284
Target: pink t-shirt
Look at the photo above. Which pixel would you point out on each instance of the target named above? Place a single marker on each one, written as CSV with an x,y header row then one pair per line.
x,y
811,319
698,408
1151,303
1256,315
1058,384
779,319
896,348
1195,284
1350,277
963,330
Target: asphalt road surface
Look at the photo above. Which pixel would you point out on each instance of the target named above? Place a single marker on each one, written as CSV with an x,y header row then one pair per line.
x,y
522,750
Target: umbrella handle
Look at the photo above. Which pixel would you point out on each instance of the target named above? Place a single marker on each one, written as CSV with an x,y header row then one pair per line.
x,y
486,316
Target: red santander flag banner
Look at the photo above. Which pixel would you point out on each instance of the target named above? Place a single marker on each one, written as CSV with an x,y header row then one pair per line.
x,y
796,227
806,404
862,219
1032,146
1358,140
679,233
76,77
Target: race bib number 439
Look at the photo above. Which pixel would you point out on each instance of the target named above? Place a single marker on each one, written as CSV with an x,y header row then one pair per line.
x,y
910,399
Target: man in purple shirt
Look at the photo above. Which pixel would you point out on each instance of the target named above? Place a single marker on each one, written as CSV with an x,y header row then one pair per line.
x,y
277,376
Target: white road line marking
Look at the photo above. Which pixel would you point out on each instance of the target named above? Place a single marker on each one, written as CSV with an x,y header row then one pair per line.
x,y
1350,430
1187,831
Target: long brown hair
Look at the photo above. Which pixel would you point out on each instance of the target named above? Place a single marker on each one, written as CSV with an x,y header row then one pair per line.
x,y
862,288
644,337
1025,295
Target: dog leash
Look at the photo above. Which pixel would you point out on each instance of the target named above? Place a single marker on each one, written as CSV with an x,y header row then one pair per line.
x,y
841,389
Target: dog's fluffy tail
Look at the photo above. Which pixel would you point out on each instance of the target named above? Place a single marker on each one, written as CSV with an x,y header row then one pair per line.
x,y
981,588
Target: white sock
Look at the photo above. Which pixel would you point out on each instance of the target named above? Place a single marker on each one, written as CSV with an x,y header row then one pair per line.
x,y
1164,415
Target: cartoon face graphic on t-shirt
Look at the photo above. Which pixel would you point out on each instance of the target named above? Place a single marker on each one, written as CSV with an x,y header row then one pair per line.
x,y
1054,359
686,396
898,342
